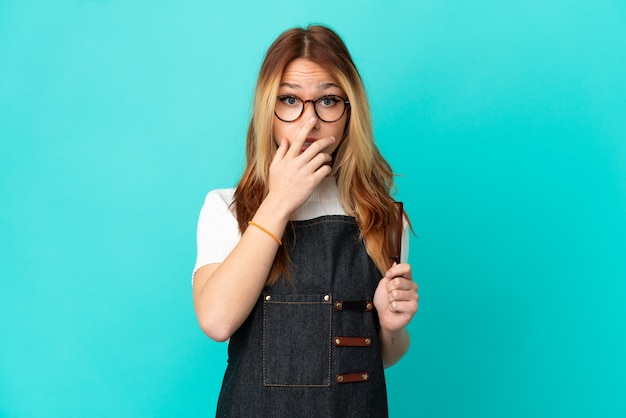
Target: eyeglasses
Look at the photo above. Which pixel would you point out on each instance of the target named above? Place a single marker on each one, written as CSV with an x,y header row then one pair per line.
x,y
329,109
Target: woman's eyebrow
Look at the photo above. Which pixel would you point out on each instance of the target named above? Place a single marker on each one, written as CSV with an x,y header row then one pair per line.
x,y
328,85
290,85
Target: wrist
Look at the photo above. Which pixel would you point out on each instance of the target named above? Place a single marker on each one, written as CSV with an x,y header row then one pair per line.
x,y
270,218
274,207
394,345
392,335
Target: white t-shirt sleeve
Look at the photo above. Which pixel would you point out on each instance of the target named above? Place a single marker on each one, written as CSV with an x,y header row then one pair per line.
x,y
218,232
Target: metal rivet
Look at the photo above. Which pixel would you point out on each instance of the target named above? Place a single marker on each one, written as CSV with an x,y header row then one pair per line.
x,y
369,306
368,341
268,297
338,341
326,298
338,305
364,376
339,379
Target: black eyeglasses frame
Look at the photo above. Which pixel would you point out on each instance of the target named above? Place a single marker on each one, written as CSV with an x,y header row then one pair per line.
x,y
314,101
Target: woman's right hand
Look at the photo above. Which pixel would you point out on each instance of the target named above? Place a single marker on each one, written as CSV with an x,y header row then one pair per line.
x,y
295,173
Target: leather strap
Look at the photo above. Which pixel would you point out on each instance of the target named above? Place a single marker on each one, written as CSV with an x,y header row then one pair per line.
x,y
352,342
354,305
352,377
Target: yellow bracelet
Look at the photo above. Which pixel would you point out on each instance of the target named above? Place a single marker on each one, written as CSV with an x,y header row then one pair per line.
x,y
267,232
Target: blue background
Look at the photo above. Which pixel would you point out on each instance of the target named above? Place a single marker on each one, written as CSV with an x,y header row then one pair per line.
x,y
505,120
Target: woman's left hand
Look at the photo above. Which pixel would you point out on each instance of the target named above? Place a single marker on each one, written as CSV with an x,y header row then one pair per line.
x,y
396,298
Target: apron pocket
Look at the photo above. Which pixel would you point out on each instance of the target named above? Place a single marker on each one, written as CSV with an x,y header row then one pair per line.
x,y
297,340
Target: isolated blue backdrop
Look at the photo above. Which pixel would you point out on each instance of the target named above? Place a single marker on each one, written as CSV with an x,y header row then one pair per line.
x,y
505,121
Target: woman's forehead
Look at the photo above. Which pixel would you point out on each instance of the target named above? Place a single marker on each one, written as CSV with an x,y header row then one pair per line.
x,y
303,73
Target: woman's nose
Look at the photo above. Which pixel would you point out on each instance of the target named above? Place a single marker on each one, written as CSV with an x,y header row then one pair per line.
x,y
309,112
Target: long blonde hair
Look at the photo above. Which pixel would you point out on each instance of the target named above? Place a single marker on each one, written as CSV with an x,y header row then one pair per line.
x,y
364,177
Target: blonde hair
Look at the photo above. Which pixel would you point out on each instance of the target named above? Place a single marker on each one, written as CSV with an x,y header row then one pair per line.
x,y
364,177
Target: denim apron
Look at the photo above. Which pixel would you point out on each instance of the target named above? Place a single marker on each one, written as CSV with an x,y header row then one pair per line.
x,y
310,347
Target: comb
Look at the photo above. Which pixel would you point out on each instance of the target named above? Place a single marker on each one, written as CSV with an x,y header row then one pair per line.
x,y
396,232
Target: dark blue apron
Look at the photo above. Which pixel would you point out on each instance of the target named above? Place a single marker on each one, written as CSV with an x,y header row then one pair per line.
x,y
310,348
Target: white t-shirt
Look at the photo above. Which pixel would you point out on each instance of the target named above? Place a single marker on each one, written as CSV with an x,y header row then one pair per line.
x,y
218,231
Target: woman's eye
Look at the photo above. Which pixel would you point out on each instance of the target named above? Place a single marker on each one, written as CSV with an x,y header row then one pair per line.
x,y
289,100
328,101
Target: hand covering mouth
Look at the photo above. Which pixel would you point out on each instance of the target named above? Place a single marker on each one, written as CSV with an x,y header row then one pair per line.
x,y
308,143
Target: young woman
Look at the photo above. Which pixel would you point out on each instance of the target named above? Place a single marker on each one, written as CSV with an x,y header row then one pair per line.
x,y
295,265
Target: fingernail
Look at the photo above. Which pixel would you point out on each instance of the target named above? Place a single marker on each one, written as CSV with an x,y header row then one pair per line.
x,y
332,139
312,120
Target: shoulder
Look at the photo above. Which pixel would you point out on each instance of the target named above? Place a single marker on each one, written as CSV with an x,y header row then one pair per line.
x,y
218,205
219,200
221,197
